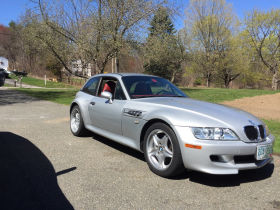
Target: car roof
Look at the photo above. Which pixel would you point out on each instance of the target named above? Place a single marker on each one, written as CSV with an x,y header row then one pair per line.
x,y
119,75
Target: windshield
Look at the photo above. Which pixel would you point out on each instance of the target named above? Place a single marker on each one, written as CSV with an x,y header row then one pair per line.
x,y
149,86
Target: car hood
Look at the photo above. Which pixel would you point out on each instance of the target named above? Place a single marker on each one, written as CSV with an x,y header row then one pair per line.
x,y
190,112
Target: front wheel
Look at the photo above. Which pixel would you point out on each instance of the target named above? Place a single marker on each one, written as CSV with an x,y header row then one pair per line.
x,y
162,151
76,122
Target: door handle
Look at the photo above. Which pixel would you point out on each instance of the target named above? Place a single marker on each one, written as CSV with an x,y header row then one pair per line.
x,y
92,103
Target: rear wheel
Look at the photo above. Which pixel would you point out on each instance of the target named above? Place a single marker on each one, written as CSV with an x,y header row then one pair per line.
x,y
162,151
76,122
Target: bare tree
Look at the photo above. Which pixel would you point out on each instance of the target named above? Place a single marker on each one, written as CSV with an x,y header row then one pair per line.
x,y
208,27
97,30
263,34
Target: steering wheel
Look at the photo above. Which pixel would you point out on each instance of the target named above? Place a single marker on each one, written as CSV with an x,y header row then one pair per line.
x,y
162,92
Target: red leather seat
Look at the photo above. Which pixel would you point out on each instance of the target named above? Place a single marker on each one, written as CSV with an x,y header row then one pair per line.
x,y
109,86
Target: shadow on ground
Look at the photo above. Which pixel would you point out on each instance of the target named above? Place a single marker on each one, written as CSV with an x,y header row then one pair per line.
x,y
132,152
8,97
198,177
63,96
232,180
24,95
27,178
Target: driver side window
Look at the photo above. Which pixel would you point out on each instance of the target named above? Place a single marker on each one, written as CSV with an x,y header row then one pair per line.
x,y
113,86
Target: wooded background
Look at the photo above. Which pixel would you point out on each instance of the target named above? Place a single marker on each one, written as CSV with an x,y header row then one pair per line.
x,y
214,49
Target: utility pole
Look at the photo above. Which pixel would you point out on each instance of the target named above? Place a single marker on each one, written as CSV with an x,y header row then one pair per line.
x,y
116,66
112,65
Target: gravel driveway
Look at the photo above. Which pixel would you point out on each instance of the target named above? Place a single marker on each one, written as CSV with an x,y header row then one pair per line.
x,y
44,167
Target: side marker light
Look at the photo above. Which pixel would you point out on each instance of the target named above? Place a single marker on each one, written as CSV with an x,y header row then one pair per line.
x,y
193,146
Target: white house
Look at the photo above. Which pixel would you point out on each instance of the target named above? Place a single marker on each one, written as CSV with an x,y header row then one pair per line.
x,y
4,63
77,68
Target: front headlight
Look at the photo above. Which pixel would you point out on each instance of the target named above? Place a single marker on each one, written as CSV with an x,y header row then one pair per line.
x,y
214,134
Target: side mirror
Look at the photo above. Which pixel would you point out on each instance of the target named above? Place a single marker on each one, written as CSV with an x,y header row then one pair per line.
x,y
107,95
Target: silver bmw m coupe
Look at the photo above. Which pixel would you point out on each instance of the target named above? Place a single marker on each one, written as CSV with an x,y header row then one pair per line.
x,y
174,132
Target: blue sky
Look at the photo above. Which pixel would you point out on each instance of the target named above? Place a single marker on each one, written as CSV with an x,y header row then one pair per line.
x,y
240,7
12,9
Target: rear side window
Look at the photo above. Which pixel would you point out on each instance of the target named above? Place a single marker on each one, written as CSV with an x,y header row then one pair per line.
x,y
91,86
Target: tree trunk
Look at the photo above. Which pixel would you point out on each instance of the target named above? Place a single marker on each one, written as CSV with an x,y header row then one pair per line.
x,y
275,81
60,76
227,82
101,69
208,81
117,63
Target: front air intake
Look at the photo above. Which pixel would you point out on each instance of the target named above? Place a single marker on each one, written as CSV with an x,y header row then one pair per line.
x,y
262,133
251,132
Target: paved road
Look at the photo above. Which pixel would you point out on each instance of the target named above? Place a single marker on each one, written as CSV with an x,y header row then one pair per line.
x,y
12,82
44,167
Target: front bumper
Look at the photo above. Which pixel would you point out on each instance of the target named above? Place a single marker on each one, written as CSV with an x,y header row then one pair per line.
x,y
219,157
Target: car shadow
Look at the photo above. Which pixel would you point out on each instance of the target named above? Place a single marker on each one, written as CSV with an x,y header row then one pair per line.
x,y
194,176
232,180
27,178
8,97
132,152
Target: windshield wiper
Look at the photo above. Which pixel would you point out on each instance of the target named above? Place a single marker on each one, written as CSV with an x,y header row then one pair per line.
x,y
169,96
178,96
153,96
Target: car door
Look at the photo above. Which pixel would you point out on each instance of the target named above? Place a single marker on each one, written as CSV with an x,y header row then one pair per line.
x,y
105,115
86,94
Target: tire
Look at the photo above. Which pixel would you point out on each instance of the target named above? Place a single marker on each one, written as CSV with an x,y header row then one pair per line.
x,y
77,126
162,151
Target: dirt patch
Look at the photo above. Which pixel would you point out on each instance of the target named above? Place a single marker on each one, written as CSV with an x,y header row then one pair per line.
x,y
265,106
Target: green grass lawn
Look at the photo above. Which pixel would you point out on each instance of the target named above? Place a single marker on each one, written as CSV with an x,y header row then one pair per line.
x,y
41,82
7,85
274,128
217,95
61,96
212,95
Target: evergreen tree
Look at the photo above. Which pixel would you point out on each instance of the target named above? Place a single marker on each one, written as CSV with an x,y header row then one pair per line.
x,y
163,51
161,24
